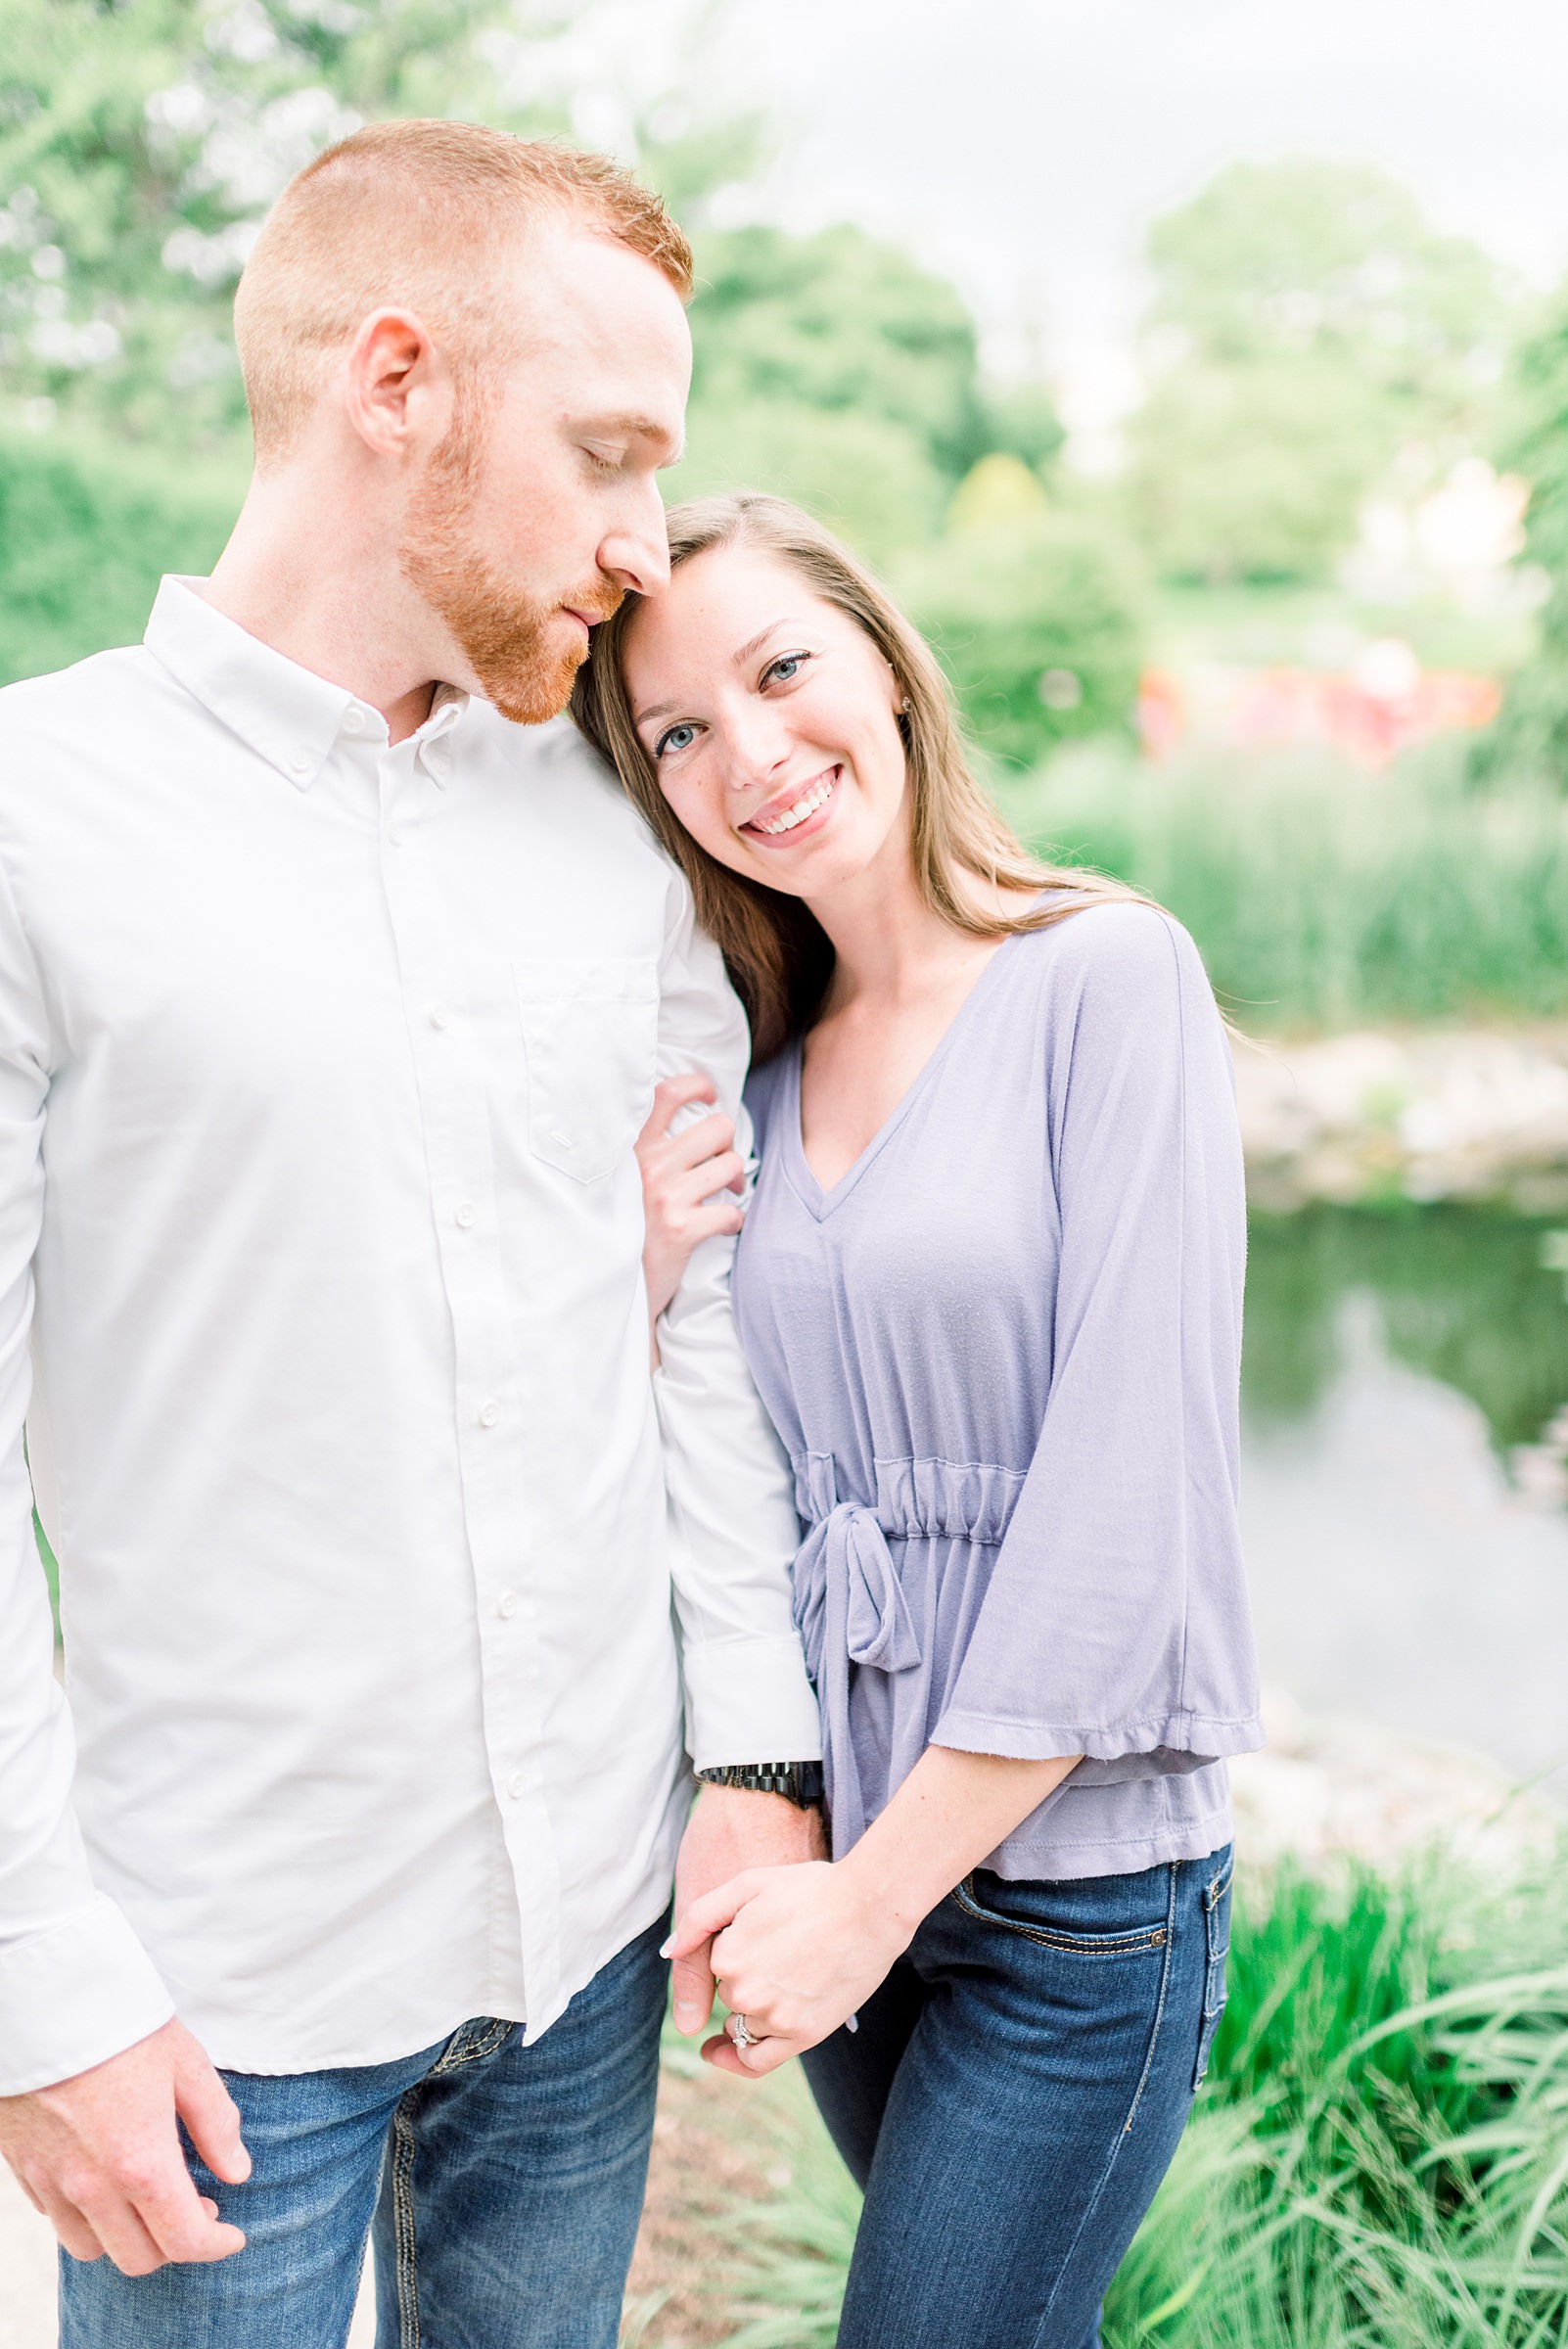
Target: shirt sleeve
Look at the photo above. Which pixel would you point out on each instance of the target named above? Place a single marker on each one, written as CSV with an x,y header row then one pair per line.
x,y
1116,1625
733,1524
76,1985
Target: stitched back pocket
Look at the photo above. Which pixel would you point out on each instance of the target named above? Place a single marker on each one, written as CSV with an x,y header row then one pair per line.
x,y
591,1030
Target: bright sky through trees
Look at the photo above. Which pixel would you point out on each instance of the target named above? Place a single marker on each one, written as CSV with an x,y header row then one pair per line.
x,y
1024,144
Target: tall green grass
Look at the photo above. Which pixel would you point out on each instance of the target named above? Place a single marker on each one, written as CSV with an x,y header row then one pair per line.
x,y
1379,2162
1322,895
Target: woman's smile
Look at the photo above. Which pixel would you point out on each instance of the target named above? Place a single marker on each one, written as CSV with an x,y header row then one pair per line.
x,y
793,813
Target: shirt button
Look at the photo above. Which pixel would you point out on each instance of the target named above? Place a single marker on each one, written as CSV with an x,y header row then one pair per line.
x,y
489,1413
298,763
517,1785
438,1015
394,836
466,1215
506,1605
353,721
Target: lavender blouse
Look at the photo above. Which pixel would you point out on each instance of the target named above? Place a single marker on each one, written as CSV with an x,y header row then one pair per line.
x,y
1002,1353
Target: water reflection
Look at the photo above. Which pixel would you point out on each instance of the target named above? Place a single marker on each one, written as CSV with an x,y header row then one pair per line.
x,y
1473,1299
1402,1567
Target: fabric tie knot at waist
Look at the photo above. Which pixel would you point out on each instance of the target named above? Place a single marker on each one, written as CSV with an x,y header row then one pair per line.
x,y
849,1604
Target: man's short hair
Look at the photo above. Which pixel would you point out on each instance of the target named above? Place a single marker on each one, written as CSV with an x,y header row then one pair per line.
x,y
423,217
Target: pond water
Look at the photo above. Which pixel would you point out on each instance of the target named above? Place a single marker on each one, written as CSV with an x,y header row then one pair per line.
x,y
1405,1495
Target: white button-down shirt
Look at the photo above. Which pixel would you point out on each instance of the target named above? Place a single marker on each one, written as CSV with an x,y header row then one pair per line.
x,y
385,1568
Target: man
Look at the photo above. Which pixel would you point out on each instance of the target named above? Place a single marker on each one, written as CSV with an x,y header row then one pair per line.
x,y
334,986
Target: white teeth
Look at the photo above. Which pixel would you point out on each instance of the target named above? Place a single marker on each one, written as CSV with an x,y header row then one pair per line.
x,y
801,808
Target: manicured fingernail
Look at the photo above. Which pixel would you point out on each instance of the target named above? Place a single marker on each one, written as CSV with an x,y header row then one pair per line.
x,y
687,2018
666,1949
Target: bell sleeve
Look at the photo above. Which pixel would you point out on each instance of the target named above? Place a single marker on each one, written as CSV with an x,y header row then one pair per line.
x,y
1116,1623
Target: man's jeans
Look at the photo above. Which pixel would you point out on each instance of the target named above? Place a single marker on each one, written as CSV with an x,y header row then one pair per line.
x,y
505,2181
1012,2097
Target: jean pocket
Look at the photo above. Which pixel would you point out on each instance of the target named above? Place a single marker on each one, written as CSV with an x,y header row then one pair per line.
x,y
1077,1916
1217,1935
590,1032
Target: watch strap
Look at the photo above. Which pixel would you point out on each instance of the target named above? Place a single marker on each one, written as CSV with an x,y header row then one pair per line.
x,y
798,1782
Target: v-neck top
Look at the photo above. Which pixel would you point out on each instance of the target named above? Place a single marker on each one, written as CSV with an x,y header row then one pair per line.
x,y
1003,1353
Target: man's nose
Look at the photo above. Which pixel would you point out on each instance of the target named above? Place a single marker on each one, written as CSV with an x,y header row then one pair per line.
x,y
635,552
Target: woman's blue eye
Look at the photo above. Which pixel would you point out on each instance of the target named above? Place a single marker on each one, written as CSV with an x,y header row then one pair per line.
x,y
784,667
678,738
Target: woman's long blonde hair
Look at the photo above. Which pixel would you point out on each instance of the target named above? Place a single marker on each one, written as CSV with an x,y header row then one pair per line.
x,y
778,955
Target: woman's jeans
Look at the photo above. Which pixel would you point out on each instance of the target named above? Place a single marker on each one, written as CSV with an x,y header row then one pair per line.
x,y
505,2181
1013,2096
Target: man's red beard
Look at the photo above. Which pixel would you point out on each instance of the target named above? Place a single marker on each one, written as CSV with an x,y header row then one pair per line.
x,y
524,665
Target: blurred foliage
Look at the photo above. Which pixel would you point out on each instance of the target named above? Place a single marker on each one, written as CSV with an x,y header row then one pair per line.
x,y
85,537
1321,897
1531,735
1038,621
834,370
1307,325
140,143
839,323
1462,1295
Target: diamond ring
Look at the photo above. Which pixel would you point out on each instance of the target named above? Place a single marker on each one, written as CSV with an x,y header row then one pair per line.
x,y
742,2033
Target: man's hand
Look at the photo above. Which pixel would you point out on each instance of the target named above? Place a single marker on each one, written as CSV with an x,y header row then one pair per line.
x,y
731,1829
99,2154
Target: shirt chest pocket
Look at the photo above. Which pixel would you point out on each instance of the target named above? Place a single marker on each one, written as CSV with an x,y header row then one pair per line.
x,y
591,1030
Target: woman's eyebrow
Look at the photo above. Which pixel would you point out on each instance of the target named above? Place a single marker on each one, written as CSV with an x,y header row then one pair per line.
x,y
752,645
755,644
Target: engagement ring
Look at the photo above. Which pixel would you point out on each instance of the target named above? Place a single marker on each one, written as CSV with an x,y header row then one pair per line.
x,y
743,2034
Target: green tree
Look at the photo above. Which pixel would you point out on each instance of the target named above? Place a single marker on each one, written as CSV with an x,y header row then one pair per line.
x,y
835,370
837,322
1036,614
1307,323
142,141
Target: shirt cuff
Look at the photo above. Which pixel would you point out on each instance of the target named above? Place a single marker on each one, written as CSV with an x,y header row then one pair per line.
x,y
748,1700
73,1997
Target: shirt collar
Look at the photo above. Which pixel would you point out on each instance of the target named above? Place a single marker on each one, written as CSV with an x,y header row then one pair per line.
x,y
288,714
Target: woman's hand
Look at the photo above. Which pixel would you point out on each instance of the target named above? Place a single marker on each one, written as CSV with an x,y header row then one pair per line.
x,y
686,1180
798,1950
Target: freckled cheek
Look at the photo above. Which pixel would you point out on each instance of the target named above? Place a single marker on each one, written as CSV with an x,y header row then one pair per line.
x,y
701,812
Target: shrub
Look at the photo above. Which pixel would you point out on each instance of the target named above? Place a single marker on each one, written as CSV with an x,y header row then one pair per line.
x,y
85,537
1037,623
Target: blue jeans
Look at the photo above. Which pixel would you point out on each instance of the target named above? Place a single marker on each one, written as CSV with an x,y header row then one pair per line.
x,y
1013,2096
504,2182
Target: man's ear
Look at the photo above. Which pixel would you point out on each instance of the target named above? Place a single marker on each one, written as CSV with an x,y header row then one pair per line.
x,y
398,391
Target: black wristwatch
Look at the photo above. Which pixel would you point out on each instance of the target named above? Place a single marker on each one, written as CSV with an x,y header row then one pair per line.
x,y
798,1782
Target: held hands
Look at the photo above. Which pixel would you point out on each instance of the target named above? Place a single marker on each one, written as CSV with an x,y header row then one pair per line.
x,y
686,1181
99,2154
796,1950
731,1829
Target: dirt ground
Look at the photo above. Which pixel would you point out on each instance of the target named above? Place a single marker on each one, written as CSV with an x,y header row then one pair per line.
x,y
719,2144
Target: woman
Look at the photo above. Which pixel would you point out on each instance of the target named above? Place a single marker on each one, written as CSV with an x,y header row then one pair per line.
x,y
990,1288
